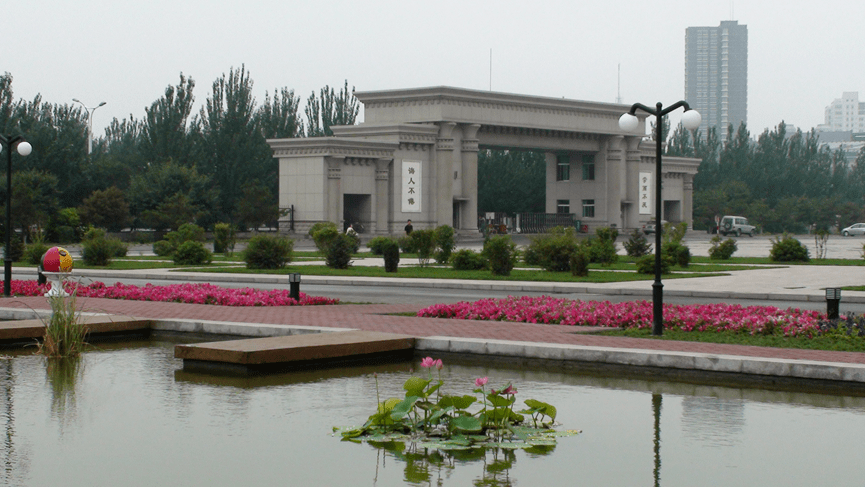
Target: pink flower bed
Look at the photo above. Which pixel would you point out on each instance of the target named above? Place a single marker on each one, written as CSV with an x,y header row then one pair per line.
x,y
755,320
178,293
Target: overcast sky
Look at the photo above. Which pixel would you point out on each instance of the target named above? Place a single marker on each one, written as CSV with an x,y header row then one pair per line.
x,y
801,54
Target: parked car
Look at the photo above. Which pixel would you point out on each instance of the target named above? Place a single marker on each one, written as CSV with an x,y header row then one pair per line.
x,y
649,228
854,229
736,225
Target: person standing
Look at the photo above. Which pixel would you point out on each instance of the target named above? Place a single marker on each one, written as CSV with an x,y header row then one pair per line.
x,y
350,230
408,228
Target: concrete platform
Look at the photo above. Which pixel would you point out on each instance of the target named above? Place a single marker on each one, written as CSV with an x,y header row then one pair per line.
x,y
294,350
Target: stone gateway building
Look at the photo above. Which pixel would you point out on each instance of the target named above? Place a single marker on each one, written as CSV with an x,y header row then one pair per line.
x,y
415,157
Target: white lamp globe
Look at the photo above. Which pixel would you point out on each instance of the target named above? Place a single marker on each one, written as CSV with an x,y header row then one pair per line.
x,y
24,148
628,122
691,119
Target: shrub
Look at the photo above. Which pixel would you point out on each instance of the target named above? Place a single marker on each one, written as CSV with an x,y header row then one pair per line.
x,y
324,237
501,252
677,253
722,250
16,248
646,264
162,248
602,248
674,232
552,251
319,226
406,244
224,238
390,251
64,226
338,254
445,243
423,243
637,245
33,253
268,252
468,260
579,264
192,253
98,251
788,249
186,232
376,245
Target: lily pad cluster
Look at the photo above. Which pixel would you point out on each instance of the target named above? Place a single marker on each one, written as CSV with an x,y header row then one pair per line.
x,y
427,418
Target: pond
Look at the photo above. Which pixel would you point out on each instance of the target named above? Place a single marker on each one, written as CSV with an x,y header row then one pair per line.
x,y
128,415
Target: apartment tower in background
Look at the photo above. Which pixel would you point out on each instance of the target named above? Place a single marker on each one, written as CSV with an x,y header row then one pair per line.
x,y
716,75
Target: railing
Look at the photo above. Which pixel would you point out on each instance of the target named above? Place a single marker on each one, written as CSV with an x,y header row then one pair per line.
x,y
543,222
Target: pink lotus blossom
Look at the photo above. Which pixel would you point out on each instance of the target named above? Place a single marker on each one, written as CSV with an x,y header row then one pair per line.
x,y
439,364
481,381
427,362
509,390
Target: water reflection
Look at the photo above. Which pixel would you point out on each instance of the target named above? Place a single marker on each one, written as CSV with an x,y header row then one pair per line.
x,y
424,466
62,375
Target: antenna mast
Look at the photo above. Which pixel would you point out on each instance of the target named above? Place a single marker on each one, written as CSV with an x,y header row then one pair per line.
x,y
619,88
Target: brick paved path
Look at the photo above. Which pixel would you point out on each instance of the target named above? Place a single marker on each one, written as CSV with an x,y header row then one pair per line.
x,y
375,317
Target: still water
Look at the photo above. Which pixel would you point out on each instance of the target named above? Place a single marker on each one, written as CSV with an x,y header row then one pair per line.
x,y
128,416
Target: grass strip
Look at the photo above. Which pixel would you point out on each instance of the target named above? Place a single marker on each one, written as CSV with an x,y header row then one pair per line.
x,y
823,342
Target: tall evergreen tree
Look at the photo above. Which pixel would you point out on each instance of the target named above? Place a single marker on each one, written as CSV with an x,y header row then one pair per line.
x,y
164,131
330,109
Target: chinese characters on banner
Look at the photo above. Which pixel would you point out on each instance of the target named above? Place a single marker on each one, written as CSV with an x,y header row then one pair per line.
x,y
645,193
411,186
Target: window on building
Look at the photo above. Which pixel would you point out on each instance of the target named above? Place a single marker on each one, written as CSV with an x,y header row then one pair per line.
x,y
563,167
563,206
588,168
588,208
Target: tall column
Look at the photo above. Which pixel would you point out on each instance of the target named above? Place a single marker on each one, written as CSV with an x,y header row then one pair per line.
x,y
334,190
688,199
444,196
382,196
632,193
616,182
469,211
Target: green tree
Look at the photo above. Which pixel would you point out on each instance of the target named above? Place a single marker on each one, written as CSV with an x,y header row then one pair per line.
x,y
34,199
169,194
511,181
330,109
278,118
164,134
233,149
105,209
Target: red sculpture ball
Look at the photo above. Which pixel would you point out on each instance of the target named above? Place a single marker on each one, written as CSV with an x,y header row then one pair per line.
x,y
57,259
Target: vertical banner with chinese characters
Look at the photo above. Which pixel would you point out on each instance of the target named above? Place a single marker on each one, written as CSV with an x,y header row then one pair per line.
x,y
411,186
645,193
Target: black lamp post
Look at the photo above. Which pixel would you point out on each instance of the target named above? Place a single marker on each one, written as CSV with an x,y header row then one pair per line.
x,y
24,149
628,122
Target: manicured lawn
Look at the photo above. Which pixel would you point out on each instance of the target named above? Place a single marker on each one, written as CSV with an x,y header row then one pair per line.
x,y
834,343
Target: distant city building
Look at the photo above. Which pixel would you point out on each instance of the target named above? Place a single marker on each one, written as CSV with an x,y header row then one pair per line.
x,y
848,141
716,75
845,114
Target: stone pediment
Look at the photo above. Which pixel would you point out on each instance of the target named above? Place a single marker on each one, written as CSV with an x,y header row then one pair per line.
x,y
354,148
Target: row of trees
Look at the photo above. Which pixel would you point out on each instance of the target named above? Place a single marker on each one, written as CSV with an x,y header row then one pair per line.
x,y
783,182
171,166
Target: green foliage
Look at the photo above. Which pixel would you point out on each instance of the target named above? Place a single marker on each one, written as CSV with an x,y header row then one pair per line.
x,y
16,248
406,244
722,250
173,240
167,194
33,253
34,199
64,335
64,226
677,252
501,252
268,252
637,245
329,110
646,264
105,209
788,249
579,263
163,248
552,251
99,250
674,232
423,243
468,260
390,251
602,249
224,238
323,234
376,244
191,252
445,243
511,181
339,251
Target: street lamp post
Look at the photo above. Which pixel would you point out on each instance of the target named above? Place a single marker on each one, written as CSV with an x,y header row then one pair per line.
x,y
89,123
24,149
628,122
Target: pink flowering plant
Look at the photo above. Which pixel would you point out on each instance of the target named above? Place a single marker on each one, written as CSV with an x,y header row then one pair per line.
x,y
447,421
754,320
197,293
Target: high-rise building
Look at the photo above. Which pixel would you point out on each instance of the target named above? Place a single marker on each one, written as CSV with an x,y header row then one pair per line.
x,y
716,75
845,114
